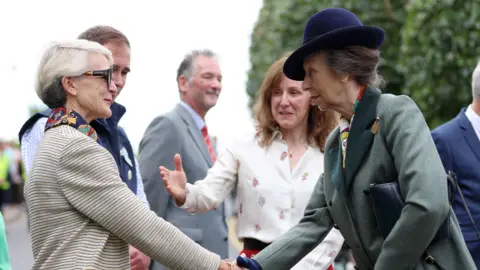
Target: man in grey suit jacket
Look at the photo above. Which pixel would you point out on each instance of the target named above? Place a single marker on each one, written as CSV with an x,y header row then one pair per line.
x,y
183,131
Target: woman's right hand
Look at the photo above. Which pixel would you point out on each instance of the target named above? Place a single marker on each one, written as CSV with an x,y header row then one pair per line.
x,y
175,181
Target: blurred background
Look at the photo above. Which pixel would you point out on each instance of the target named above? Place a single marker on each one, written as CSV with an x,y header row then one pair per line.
x,y
430,52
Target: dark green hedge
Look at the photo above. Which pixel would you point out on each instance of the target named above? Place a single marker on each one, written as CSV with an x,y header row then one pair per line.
x,y
440,49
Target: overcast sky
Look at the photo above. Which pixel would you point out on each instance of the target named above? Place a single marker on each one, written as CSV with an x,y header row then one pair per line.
x,y
160,32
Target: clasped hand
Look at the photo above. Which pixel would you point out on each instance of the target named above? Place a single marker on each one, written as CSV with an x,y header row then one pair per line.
x,y
176,183
243,263
227,265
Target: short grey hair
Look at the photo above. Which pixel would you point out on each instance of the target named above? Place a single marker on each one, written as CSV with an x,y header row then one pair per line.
x,y
359,62
60,59
187,67
476,82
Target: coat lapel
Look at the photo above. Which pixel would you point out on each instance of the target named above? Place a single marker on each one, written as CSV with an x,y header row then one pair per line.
x,y
469,133
194,133
333,162
336,174
360,137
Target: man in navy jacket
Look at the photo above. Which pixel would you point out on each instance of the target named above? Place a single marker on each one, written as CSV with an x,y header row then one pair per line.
x,y
458,143
112,136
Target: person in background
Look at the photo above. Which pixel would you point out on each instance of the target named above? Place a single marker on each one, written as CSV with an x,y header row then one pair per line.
x,y
275,171
4,176
113,137
184,131
15,177
458,143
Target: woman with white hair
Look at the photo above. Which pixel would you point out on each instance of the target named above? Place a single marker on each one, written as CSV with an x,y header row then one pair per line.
x,y
82,215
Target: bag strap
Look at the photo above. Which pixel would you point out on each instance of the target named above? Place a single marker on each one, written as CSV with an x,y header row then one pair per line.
x,y
464,203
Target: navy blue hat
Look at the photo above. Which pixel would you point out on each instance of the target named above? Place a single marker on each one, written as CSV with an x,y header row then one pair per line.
x,y
331,28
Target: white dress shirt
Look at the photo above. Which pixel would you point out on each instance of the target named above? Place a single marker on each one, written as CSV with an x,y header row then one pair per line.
x,y
271,198
474,118
32,138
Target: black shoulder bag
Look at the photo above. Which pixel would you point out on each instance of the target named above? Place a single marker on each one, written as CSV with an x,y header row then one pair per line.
x,y
388,203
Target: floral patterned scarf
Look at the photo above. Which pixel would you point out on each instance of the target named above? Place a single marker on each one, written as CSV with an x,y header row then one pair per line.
x,y
62,116
345,126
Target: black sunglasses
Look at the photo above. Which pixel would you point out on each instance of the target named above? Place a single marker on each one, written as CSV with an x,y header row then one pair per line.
x,y
106,74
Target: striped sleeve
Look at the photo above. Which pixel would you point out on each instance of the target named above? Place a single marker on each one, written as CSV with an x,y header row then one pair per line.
x,y
90,182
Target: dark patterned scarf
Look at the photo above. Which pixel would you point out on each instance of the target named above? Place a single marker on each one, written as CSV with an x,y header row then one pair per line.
x,y
62,116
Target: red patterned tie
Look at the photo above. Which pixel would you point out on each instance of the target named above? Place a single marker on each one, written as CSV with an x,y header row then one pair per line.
x,y
209,144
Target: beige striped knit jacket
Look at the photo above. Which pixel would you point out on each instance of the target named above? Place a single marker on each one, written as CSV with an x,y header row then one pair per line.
x,y
82,215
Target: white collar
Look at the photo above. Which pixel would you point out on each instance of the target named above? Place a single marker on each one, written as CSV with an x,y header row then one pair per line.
x,y
474,118
277,135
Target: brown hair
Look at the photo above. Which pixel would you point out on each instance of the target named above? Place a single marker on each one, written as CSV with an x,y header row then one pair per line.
x,y
359,62
103,34
320,123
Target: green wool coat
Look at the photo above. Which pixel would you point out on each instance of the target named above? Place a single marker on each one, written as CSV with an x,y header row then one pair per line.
x,y
389,141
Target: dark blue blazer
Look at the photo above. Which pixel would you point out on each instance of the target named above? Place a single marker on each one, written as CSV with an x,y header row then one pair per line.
x,y
112,137
459,148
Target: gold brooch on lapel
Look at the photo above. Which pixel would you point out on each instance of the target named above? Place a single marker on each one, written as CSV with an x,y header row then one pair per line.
x,y
375,128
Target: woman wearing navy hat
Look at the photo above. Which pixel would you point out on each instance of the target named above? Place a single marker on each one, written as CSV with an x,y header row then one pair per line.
x,y
382,138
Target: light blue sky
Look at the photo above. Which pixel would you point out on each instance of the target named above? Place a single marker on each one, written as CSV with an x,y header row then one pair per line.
x,y
160,32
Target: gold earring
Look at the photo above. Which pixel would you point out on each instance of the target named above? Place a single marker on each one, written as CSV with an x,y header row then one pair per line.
x,y
320,108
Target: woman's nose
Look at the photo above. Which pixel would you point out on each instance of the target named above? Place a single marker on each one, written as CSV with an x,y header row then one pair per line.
x,y
284,101
306,86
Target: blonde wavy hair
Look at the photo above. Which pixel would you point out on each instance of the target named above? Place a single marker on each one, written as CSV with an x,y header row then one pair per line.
x,y
320,123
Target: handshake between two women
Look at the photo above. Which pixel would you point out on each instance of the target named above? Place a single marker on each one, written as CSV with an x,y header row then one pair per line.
x,y
176,184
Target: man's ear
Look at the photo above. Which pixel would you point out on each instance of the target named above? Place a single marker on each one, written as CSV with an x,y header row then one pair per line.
x,y
69,85
183,83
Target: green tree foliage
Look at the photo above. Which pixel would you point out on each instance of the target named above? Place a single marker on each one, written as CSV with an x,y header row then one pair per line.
x,y
266,51
441,47
430,50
